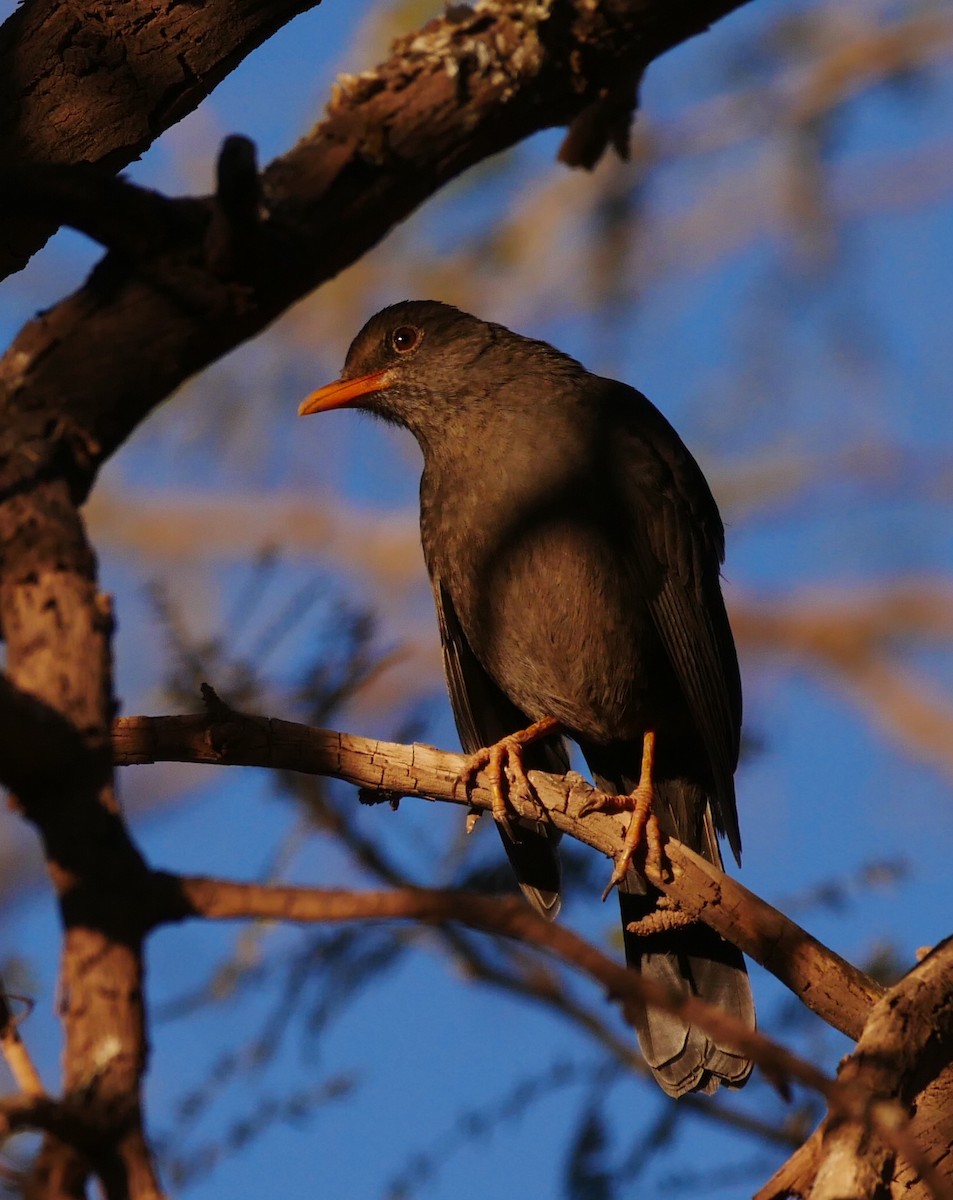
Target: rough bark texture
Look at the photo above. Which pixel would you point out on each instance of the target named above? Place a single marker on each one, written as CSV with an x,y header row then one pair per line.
x,y
57,628
901,1075
98,83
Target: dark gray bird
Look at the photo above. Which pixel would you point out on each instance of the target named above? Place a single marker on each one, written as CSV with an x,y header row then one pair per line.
x,y
574,549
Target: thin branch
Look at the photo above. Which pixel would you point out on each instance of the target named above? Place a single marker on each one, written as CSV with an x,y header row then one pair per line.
x,y
17,1056
849,1098
831,987
176,898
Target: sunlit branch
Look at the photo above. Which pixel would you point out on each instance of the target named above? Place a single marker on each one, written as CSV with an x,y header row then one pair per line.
x,y
831,987
904,1051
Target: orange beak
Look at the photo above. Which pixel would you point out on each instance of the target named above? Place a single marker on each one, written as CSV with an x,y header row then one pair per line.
x,y
343,392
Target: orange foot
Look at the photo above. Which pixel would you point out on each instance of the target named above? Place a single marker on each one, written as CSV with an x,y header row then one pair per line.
x,y
507,752
643,827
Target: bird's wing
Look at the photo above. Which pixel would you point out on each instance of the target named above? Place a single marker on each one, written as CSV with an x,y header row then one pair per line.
x,y
484,714
482,711
679,547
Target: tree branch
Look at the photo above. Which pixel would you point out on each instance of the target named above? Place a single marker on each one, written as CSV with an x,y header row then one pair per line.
x,y
831,987
177,898
15,1053
27,723
57,630
863,1101
902,1064
100,90
463,88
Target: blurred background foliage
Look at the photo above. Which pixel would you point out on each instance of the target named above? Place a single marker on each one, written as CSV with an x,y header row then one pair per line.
x,y
771,266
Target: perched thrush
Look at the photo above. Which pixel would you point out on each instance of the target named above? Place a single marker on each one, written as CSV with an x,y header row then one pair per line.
x,y
574,550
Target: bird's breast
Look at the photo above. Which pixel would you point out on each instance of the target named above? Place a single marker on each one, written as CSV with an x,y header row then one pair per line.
x,y
543,587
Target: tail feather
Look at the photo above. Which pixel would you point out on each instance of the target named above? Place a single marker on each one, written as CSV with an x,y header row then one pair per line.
x,y
693,961
689,961
535,861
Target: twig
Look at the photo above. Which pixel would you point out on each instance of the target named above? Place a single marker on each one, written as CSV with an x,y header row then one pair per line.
x,y
18,1058
849,1098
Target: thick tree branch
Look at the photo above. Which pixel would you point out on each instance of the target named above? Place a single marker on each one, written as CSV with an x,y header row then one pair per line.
x,y
57,630
26,723
907,1044
100,89
465,87
831,987
901,1065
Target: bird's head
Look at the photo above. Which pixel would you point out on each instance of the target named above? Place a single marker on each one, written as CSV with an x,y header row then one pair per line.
x,y
434,369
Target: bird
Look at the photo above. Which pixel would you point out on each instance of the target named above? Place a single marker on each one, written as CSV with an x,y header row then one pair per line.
x,y
574,550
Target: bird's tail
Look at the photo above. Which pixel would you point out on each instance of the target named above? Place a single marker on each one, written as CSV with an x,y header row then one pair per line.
x,y
534,857
691,960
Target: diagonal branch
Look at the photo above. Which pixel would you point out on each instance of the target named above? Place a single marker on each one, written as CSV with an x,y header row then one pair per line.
x,y
906,1046
467,86
863,1101
176,898
831,987
101,89
901,1064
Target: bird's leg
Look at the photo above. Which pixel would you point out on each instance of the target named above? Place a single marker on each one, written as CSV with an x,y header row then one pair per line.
x,y
508,751
644,826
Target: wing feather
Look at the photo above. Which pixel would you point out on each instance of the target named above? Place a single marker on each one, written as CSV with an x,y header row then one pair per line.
x,y
484,714
679,549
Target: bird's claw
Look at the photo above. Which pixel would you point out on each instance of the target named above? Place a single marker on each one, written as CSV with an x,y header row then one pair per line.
x,y
506,753
495,759
643,830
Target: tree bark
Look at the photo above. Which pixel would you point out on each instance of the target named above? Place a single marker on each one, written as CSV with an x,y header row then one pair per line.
x,y
98,84
462,89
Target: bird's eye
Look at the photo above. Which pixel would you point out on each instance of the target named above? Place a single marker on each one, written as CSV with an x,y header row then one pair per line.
x,y
405,338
